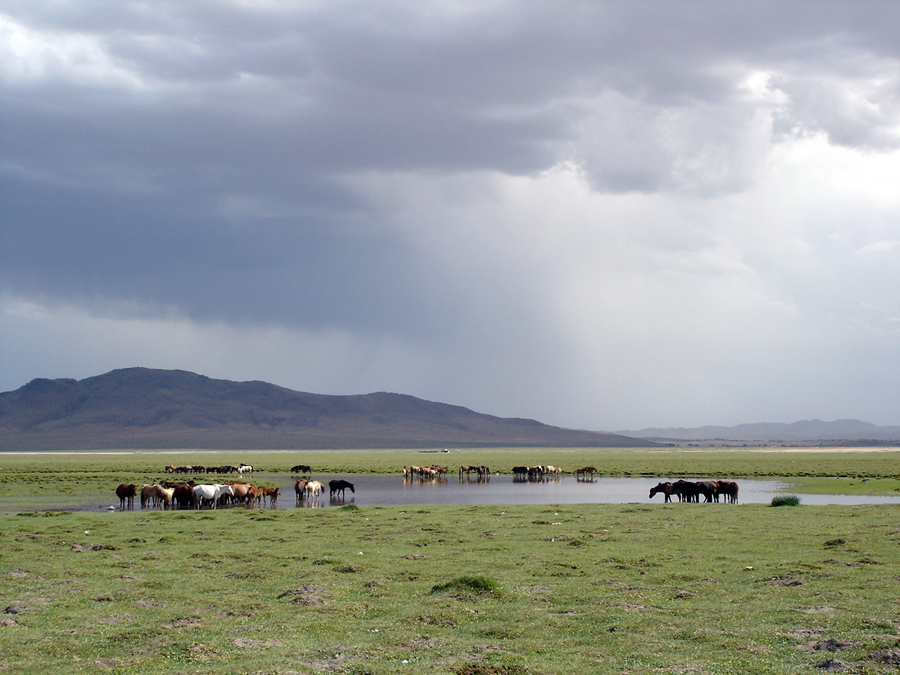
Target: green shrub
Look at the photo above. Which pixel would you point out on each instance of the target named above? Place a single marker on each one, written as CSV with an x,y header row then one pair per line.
x,y
786,500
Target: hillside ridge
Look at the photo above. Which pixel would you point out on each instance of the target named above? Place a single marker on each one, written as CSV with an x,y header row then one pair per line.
x,y
144,408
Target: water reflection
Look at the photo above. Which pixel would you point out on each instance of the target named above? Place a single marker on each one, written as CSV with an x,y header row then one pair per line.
x,y
486,488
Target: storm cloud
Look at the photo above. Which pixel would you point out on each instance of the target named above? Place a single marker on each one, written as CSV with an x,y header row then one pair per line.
x,y
602,215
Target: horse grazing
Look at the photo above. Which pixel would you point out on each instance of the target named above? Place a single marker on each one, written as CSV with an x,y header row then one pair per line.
x,y
245,468
301,468
126,493
585,471
665,488
211,494
339,486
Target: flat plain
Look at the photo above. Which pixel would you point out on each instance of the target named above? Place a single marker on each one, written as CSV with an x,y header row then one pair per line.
x,y
605,588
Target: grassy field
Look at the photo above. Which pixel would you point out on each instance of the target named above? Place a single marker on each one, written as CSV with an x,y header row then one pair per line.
x,y
468,590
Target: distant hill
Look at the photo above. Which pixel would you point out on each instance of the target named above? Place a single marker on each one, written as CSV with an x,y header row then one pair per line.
x,y
141,408
806,430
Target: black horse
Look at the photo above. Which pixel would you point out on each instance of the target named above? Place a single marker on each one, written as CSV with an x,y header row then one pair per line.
x,y
339,486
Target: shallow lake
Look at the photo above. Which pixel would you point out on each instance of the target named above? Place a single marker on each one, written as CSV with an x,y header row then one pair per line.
x,y
504,489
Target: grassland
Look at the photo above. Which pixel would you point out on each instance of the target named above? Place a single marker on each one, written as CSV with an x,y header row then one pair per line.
x,y
469,590
466,590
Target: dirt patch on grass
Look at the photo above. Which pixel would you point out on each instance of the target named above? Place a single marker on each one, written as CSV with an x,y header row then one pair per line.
x,y
251,643
307,595
829,645
888,656
421,641
433,620
489,669
820,609
183,622
335,662
108,664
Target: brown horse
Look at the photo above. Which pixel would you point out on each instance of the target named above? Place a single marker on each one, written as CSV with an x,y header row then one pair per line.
x,y
728,489
585,471
665,488
300,489
126,492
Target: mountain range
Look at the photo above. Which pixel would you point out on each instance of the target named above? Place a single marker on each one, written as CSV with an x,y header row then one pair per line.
x,y
806,430
142,408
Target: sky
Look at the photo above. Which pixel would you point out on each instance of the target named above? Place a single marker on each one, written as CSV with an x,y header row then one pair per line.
x,y
603,215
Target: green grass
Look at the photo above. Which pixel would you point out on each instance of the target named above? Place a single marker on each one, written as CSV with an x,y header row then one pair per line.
x,y
785,500
470,589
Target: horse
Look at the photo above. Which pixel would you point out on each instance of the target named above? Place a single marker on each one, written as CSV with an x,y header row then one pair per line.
x,y
211,493
339,486
301,468
126,493
183,494
314,488
665,488
728,489
271,493
245,468
149,494
708,489
300,489
241,491
686,491
585,471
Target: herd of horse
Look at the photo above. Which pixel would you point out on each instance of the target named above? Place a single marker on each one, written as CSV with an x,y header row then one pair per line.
x,y
690,491
188,494
196,468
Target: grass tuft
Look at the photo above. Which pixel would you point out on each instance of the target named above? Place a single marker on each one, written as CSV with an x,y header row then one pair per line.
x,y
465,583
786,500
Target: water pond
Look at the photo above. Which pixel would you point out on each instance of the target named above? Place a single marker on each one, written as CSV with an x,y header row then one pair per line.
x,y
502,489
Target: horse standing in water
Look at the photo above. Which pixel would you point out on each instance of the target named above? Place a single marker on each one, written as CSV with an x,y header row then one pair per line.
x,y
665,488
335,486
126,493
300,489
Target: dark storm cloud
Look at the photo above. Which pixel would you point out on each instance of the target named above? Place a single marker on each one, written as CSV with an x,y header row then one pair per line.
x,y
258,163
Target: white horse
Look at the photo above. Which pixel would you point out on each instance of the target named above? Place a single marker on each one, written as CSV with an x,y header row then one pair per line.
x,y
210,493
314,488
245,468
